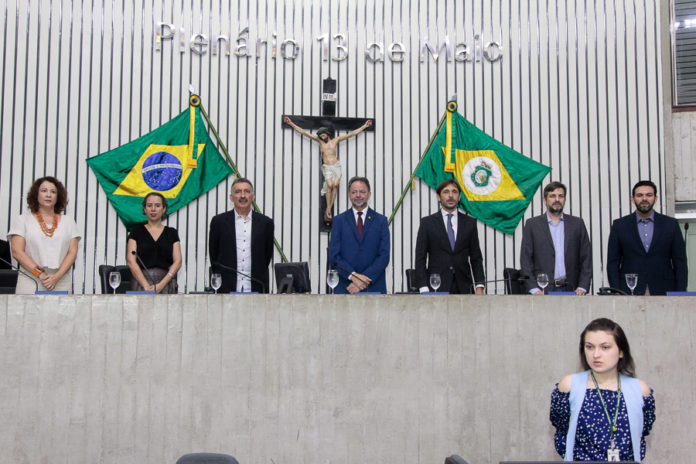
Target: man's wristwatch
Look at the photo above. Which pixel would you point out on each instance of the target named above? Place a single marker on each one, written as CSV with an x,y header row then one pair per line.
x,y
36,272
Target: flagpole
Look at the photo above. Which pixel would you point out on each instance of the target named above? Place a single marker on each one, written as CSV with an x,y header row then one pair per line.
x,y
410,181
219,141
236,172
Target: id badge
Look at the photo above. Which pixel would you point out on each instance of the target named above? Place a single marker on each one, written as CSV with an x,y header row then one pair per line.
x,y
613,455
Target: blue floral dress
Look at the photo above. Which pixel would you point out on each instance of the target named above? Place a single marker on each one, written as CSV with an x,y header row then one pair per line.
x,y
592,434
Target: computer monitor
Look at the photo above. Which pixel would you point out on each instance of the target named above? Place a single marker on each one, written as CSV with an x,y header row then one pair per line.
x,y
5,255
8,281
293,277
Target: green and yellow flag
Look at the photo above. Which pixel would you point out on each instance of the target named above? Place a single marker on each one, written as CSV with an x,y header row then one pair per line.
x,y
177,160
497,182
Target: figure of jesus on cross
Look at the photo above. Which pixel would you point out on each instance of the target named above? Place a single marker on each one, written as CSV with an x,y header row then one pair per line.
x,y
331,167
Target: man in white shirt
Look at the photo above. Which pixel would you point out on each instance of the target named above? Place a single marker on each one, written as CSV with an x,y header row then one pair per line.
x,y
241,243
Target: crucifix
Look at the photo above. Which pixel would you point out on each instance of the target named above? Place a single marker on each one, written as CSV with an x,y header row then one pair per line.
x,y
327,124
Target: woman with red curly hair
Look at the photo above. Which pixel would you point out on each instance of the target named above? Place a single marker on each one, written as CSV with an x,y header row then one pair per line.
x,y
44,241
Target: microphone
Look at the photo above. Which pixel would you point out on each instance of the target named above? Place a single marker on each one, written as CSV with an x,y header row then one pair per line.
x,y
250,277
147,271
335,264
18,269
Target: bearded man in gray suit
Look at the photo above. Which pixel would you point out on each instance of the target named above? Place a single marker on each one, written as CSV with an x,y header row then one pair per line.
x,y
558,245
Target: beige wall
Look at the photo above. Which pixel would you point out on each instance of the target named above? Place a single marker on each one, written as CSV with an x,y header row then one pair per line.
x,y
684,137
316,379
679,147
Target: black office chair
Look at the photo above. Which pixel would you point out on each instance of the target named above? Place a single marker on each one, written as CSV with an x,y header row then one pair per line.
x,y
126,278
206,458
513,284
455,459
8,281
410,285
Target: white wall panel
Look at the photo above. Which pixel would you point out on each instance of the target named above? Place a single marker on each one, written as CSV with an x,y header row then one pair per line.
x,y
684,135
578,88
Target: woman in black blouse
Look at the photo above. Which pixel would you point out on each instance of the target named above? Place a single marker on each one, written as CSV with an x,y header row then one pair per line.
x,y
157,246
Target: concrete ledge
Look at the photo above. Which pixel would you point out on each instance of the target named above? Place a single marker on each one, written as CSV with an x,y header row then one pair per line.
x,y
318,379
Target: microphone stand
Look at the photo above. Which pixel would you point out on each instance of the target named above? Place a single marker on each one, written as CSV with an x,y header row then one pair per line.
x,y
18,269
250,277
147,271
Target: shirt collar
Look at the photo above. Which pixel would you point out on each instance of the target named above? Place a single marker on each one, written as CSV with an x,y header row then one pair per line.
x,y
650,218
549,220
239,216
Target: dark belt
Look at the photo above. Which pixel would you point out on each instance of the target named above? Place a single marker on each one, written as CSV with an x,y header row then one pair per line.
x,y
559,282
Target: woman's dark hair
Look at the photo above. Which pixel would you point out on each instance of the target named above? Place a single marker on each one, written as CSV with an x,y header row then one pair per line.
x,y
161,197
603,324
33,195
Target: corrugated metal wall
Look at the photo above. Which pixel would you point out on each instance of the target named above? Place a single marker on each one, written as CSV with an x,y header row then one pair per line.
x,y
578,87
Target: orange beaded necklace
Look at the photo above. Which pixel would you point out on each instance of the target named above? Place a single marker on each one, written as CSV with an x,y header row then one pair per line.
x,y
46,229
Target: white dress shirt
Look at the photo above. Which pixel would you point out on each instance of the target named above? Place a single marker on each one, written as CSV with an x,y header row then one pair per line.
x,y
364,215
242,228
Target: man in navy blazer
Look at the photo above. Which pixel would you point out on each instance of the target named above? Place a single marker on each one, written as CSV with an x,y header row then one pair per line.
x,y
241,240
448,245
648,244
359,245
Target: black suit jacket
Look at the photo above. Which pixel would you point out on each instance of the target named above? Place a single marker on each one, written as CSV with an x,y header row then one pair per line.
x,y
663,267
539,255
222,248
434,255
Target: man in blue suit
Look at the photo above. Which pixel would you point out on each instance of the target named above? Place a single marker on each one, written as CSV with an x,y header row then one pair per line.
x,y
648,244
359,245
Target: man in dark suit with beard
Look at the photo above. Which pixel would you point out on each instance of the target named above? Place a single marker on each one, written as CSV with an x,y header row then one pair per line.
x,y
448,245
557,245
648,244
241,240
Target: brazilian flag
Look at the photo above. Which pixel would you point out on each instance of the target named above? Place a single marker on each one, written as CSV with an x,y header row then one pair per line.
x,y
497,183
177,160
